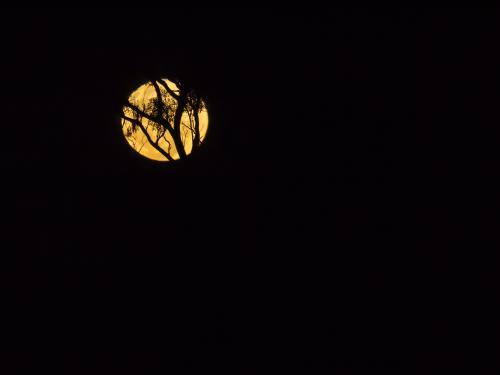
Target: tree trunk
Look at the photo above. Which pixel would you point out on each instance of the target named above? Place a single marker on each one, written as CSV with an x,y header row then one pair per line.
x,y
197,135
181,103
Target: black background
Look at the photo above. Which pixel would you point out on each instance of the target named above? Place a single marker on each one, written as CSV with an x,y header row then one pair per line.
x,y
342,199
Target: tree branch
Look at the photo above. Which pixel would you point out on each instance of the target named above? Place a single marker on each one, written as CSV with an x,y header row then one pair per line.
x,y
158,97
148,137
169,90
159,120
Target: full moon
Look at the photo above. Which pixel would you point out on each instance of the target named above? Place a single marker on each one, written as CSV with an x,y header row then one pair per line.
x,y
163,120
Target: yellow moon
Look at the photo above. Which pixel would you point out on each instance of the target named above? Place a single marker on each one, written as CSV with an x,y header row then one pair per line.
x,y
159,144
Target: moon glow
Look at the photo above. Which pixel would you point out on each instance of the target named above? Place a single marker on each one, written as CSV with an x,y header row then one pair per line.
x,y
164,121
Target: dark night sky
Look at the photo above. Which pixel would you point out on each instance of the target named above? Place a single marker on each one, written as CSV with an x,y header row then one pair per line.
x,y
348,151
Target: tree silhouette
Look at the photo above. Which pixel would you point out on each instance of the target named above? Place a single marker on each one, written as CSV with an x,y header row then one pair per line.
x,y
167,116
